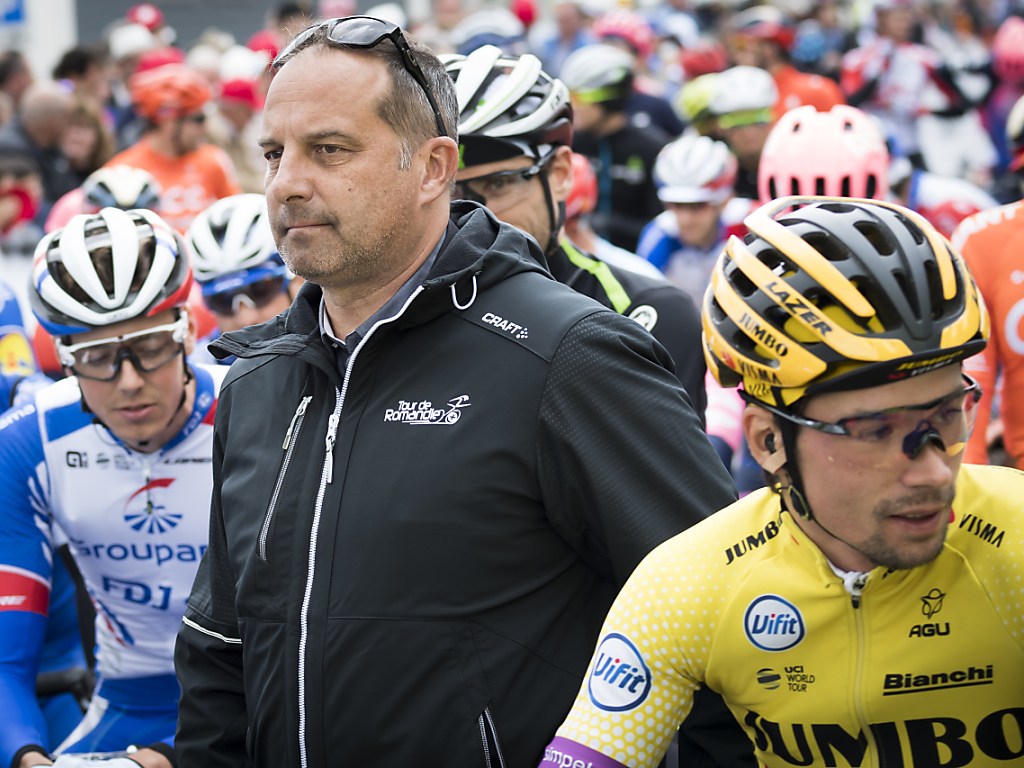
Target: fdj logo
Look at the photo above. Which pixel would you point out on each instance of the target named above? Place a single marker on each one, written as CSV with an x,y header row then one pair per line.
x,y
620,680
773,624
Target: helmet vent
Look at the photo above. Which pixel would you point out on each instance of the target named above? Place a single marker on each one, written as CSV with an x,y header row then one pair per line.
x,y
773,192
837,207
909,294
872,186
819,186
876,237
845,188
743,285
827,246
794,186
931,272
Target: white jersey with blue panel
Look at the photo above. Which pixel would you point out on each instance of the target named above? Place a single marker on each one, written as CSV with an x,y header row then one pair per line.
x,y
137,525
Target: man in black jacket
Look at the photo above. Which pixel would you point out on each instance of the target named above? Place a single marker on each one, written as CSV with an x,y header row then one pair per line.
x,y
433,472
515,159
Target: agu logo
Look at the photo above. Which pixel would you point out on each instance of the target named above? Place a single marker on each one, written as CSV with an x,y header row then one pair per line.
x,y
620,679
773,624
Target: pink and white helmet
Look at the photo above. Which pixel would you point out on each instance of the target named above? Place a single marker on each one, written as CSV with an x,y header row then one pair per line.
x,y
839,153
1008,50
628,26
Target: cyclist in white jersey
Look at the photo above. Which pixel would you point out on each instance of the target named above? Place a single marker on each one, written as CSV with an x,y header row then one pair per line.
x,y
116,458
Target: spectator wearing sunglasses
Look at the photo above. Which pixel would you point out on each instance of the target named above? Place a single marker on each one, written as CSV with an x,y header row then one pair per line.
x,y
243,278
116,457
192,175
434,469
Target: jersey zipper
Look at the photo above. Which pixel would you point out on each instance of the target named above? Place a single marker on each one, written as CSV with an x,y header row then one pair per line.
x,y
290,439
326,478
854,584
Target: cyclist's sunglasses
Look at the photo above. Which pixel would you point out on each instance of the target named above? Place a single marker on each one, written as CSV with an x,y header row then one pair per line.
x,y
367,32
147,350
256,294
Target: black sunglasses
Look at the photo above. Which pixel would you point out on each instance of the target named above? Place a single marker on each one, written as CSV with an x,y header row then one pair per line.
x,y
367,32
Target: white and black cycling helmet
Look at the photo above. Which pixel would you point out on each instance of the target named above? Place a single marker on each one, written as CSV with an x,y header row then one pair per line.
x,y
695,169
121,186
106,268
508,106
600,74
492,26
744,89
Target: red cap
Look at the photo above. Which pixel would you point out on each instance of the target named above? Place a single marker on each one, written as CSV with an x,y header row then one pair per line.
x,y
265,40
146,14
241,90
525,11
160,57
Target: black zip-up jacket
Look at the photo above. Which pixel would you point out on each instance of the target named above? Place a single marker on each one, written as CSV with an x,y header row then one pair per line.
x,y
409,565
657,305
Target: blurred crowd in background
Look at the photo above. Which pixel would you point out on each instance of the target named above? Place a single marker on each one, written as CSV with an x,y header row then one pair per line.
x,y
689,114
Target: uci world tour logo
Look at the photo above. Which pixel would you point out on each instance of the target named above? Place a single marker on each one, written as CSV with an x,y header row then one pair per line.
x,y
151,518
773,624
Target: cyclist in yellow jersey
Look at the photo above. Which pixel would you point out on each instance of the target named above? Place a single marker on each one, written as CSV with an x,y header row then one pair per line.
x,y
865,609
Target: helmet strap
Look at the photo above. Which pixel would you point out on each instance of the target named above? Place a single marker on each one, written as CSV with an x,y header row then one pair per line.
x,y
556,214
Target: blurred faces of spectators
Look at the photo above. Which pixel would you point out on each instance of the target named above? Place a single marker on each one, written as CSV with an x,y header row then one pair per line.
x,y
15,76
896,22
698,222
570,20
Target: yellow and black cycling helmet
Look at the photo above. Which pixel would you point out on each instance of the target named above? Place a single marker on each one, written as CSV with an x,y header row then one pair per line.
x,y
832,293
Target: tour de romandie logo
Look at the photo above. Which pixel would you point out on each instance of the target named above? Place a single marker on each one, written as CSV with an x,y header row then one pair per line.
x,y
424,412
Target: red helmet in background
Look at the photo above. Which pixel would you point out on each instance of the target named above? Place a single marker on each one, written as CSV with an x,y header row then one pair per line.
x,y
765,22
160,57
525,10
583,197
146,14
627,26
168,92
839,153
706,58
265,40
1008,50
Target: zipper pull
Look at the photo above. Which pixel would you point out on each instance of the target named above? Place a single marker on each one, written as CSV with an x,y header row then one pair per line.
x,y
146,475
298,412
332,435
854,583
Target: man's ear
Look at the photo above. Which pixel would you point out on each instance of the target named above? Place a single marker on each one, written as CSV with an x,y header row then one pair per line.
x,y
193,329
763,438
560,175
439,162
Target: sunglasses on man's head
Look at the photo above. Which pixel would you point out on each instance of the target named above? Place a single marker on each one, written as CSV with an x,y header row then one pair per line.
x,y
367,32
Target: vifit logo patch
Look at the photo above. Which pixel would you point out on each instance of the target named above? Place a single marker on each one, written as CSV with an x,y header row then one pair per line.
x,y
620,680
773,624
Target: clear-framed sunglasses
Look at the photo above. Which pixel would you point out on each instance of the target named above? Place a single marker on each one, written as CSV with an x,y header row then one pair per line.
x,y
148,350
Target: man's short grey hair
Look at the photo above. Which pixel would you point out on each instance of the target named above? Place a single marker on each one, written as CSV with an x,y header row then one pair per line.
x,y
404,107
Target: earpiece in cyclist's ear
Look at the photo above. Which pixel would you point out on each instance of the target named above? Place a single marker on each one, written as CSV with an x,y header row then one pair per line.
x,y
769,443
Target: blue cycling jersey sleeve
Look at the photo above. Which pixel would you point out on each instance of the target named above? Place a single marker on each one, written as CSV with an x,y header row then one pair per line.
x,y
25,574
17,361
655,246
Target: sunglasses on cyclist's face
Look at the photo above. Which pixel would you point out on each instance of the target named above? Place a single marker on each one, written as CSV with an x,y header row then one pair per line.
x,y
367,32
945,422
254,295
147,350
499,191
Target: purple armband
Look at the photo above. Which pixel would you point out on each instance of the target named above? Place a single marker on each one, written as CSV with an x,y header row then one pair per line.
x,y
564,753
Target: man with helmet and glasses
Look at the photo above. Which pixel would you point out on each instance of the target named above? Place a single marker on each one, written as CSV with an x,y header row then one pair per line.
x,y
515,134
244,280
600,82
860,610
192,175
422,506
116,460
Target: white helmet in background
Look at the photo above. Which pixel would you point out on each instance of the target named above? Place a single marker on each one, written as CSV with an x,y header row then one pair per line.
x,y
233,236
743,89
695,169
599,73
121,186
494,26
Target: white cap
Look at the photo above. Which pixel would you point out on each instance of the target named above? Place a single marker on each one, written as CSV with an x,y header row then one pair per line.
x,y
131,40
743,88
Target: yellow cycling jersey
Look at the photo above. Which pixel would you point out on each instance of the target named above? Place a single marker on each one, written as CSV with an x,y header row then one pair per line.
x,y
925,668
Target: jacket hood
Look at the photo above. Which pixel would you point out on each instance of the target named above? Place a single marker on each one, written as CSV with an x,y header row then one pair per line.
x,y
478,252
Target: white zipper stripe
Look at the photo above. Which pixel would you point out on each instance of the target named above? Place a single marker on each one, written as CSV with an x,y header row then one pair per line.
x,y
210,632
290,441
326,474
